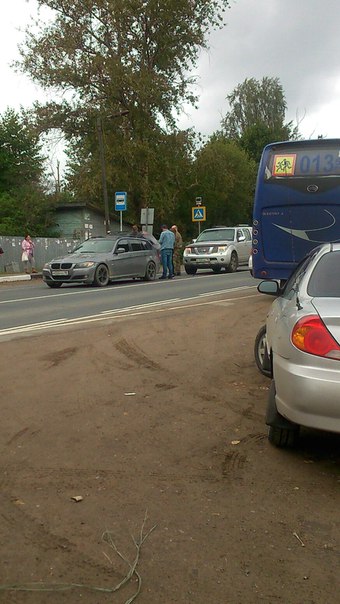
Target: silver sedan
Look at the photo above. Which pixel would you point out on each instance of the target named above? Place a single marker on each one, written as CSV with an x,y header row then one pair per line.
x,y
303,348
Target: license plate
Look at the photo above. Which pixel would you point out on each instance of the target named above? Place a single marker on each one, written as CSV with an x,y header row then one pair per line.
x,y
60,273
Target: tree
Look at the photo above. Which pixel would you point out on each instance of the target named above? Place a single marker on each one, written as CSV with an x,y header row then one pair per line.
x,y
226,180
257,114
23,202
117,56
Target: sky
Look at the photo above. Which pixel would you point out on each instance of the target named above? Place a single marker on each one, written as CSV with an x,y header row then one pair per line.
x,y
296,41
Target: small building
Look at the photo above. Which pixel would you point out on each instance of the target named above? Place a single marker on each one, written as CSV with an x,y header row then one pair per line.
x,y
83,220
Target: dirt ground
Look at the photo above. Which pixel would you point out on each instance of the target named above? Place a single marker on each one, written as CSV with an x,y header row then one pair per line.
x,y
159,415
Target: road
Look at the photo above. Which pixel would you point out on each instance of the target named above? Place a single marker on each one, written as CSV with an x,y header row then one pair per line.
x,y
27,309
165,417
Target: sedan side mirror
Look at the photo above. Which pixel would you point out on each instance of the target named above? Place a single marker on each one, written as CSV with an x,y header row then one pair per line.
x,y
271,288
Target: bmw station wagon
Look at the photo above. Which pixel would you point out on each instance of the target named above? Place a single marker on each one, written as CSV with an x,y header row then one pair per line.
x,y
217,248
99,260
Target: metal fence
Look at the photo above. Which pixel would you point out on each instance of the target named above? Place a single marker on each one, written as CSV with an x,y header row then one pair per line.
x,y
46,248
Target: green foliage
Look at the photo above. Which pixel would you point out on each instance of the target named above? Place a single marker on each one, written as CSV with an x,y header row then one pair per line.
x,y
254,138
256,104
226,180
115,56
23,203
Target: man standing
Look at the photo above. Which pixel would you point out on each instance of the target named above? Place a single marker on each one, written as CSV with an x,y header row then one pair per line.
x,y
167,243
177,250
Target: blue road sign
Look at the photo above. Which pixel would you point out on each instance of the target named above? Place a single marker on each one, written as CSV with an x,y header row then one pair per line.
x,y
198,214
120,201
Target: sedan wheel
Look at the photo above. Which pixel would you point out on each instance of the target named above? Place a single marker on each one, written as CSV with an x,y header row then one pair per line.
x,y
101,276
261,354
53,284
150,272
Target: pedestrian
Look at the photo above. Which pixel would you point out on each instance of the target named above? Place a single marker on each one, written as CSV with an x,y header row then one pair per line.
x,y
27,256
177,250
135,231
1,250
167,242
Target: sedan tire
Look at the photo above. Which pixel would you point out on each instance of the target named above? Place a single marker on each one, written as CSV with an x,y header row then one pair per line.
x,y
262,359
101,276
53,284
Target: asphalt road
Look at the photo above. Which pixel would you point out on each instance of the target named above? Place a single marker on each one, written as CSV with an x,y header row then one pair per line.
x,y
30,308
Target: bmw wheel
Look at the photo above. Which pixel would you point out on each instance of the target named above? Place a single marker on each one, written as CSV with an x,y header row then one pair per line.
x,y
150,272
101,276
53,284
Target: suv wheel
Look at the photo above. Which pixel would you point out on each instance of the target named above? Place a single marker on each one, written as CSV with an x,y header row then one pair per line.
x,y
233,264
190,270
216,269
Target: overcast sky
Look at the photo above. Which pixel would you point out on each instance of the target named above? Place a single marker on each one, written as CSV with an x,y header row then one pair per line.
x,y
297,41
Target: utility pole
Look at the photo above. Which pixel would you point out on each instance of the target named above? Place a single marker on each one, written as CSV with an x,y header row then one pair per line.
x,y
100,133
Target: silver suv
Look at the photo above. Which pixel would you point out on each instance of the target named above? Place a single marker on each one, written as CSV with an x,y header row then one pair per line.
x,y
217,248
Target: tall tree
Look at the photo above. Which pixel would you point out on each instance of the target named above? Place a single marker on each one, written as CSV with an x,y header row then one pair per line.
x,y
257,115
117,56
226,180
23,202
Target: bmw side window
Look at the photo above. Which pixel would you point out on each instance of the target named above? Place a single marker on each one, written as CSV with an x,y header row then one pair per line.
x,y
122,244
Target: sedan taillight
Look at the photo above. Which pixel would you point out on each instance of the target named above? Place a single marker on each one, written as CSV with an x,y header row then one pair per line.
x,y
311,335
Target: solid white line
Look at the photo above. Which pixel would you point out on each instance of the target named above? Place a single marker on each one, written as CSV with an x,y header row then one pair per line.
x,y
115,315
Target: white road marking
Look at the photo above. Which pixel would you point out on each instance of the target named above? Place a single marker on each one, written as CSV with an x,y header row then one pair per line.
x,y
132,311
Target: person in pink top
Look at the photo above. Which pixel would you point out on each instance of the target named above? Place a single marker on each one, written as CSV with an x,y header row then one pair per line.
x,y
27,256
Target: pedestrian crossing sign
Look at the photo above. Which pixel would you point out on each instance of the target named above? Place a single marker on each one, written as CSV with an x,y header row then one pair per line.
x,y
198,214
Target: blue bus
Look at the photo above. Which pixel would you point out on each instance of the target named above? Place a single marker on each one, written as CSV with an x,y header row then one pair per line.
x,y
297,204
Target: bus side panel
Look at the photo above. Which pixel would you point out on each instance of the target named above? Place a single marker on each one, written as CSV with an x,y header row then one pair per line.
x,y
287,233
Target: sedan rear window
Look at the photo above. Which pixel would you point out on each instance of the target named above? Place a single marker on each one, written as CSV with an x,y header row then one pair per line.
x,y
325,279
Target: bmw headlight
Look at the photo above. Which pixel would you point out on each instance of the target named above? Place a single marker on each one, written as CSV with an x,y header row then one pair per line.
x,y
47,265
86,264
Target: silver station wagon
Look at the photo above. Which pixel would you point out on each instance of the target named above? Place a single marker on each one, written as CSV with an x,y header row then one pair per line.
x,y
217,248
99,260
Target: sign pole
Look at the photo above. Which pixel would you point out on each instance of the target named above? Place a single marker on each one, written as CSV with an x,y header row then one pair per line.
x,y
121,220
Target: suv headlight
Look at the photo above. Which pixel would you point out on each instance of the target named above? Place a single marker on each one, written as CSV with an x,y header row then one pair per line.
x,y
222,248
87,264
187,251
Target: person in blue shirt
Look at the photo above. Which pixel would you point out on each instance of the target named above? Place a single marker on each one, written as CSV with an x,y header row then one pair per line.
x,y
167,243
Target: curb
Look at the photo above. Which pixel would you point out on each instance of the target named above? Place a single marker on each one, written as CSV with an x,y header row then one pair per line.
x,y
9,278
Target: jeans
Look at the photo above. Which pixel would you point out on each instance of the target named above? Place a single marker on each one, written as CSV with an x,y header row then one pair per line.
x,y
166,259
